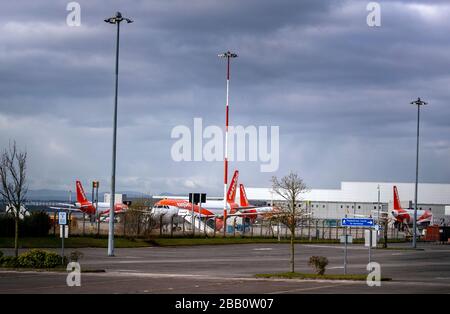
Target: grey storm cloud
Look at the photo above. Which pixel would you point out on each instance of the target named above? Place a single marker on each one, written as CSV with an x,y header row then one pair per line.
x,y
338,89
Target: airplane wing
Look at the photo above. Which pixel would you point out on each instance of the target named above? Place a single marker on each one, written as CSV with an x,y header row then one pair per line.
x,y
66,205
177,197
65,208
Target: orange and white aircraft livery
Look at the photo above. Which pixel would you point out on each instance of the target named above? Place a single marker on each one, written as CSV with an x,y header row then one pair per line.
x,y
84,205
406,216
167,208
173,210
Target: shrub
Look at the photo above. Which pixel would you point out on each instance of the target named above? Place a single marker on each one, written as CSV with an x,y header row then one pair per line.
x,y
6,225
32,258
75,256
319,263
38,224
9,261
1,255
40,259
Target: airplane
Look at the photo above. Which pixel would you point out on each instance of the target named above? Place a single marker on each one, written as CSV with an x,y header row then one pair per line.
x,y
172,210
84,205
248,210
406,216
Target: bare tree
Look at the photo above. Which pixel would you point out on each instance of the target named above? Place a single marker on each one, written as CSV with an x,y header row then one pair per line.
x,y
135,215
290,188
13,184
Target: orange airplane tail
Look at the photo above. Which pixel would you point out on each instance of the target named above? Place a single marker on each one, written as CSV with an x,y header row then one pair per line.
x,y
397,205
81,196
243,196
231,194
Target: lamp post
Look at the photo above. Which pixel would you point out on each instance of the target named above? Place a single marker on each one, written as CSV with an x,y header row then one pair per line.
x,y
378,204
117,19
418,103
229,55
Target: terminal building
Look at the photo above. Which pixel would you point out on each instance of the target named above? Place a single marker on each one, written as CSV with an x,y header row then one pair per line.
x,y
361,198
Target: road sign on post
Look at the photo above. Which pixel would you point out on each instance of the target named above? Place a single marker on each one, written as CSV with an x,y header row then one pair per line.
x,y
62,218
196,198
62,221
357,222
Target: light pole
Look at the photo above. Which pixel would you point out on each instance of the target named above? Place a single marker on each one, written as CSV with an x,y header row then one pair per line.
x,y
378,204
117,19
229,55
418,103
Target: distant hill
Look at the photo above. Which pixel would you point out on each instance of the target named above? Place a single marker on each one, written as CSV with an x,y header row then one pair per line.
x,y
60,195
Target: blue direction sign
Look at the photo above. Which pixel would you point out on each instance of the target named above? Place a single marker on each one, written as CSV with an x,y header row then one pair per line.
x,y
62,218
357,222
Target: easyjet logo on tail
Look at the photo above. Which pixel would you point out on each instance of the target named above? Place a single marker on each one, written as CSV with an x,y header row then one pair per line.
x,y
231,195
243,196
397,204
81,196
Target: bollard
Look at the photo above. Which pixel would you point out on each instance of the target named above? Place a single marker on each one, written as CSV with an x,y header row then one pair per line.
x,y
54,223
337,229
84,224
138,224
323,229
234,227
124,225
309,230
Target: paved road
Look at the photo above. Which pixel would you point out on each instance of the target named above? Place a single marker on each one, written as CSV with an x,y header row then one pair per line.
x,y
230,269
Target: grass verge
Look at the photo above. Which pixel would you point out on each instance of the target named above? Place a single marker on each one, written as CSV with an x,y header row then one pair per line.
x,y
121,242
289,275
72,242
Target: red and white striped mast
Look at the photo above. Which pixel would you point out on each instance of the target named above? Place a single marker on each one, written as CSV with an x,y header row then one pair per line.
x,y
227,55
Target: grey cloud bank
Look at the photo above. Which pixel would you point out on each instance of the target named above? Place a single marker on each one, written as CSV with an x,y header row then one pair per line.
x,y
339,90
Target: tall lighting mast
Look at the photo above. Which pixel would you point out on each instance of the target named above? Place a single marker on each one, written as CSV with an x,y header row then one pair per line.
x,y
418,103
228,55
117,19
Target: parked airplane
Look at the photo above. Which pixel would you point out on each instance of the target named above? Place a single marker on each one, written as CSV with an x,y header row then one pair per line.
x,y
406,216
174,209
248,210
84,205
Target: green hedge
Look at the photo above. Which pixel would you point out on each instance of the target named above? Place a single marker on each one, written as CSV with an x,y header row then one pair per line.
x,y
38,224
33,259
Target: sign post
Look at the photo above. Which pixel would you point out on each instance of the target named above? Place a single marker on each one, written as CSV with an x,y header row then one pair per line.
x,y
356,222
62,221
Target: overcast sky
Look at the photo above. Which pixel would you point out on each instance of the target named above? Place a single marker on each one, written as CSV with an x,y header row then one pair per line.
x,y
339,91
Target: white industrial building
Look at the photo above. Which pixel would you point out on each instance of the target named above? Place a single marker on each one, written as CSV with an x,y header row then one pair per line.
x,y
361,198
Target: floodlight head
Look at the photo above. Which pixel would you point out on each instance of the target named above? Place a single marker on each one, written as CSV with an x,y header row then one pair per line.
x,y
117,19
419,102
228,54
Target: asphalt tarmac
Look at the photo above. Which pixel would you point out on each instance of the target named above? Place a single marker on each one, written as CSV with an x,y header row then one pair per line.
x,y
231,269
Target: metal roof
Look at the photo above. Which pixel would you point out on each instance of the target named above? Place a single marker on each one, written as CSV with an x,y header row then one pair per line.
x,y
365,192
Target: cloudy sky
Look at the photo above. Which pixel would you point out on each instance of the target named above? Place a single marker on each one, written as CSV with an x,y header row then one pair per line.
x,y
339,91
